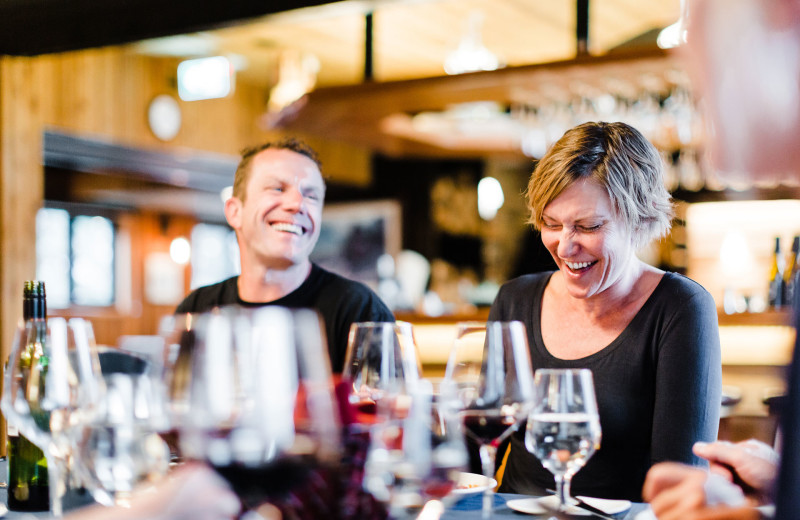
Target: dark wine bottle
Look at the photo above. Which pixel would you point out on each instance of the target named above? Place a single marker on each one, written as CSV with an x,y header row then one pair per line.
x,y
792,272
28,486
777,285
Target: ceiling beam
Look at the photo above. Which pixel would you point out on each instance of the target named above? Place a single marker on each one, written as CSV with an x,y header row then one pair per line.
x,y
33,27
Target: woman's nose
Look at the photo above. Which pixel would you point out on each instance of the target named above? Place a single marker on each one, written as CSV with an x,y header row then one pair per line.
x,y
567,244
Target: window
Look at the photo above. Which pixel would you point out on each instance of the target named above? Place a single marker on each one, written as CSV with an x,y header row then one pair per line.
x,y
75,258
215,254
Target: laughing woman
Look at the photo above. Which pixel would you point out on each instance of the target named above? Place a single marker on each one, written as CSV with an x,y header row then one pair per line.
x,y
650,337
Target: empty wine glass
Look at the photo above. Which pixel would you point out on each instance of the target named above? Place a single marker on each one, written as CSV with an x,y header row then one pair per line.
x,y
381,359
490,371
51,393
261,410
563,429
416,454
119,448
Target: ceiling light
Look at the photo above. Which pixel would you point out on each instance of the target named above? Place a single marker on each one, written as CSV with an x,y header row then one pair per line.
x,y
674,35
471,55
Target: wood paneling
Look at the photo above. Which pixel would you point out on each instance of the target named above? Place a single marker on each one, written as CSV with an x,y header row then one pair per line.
x,y
105,93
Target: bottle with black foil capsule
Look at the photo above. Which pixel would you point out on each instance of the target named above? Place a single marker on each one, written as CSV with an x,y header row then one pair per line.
x,y
777,285
792,272
28,486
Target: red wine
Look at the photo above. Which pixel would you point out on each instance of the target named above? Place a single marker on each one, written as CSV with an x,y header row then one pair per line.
x,y
486,426
272,480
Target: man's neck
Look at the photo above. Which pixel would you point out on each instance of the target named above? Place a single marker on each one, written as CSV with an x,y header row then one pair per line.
x,y
263,284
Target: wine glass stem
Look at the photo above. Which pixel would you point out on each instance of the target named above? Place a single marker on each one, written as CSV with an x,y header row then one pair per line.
x,y
488,454
562,490
57,476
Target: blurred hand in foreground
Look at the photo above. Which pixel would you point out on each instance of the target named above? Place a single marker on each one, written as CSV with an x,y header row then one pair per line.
x,y
680,492
751,464
191,492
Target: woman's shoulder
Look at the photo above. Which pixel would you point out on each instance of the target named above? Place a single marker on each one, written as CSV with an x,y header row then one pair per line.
x,y
676,283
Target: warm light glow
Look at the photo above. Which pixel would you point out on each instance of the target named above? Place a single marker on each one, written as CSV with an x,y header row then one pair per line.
x,y
297,75
205,78
180,251
490,197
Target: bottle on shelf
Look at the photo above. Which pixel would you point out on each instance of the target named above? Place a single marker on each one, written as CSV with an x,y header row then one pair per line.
x,y
28,486
792,272
777,285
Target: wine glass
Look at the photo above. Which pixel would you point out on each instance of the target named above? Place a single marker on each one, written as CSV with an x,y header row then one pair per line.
x,y
489,369
563,428
381,359
261,410
416,454
119,448
51,390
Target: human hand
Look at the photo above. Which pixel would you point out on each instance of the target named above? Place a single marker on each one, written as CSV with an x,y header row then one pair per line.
x,y
751,463
679,492
191,492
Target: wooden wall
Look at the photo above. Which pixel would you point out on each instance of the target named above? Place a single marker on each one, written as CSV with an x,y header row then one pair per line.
x,y
104,93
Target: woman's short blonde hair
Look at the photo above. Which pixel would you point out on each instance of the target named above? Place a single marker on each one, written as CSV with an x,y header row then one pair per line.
x,y
617,157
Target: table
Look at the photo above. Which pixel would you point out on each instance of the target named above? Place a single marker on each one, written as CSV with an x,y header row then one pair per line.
x,y
468,508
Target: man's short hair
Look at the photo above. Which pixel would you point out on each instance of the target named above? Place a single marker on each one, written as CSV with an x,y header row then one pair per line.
x,y
242,174
617,157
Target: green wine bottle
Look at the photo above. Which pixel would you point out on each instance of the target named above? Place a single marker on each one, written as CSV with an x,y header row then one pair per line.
x,y
28,487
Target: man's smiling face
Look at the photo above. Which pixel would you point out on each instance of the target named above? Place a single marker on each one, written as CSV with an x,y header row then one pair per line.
x,y
278,222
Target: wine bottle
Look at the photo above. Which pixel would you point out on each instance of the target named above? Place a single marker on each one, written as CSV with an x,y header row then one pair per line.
x,y
792,272
777,285
28,487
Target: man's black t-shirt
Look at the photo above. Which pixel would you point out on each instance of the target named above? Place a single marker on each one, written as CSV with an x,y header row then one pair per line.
x,y
340,301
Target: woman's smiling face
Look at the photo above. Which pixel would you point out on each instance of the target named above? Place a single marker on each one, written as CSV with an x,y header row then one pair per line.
x,y
591,245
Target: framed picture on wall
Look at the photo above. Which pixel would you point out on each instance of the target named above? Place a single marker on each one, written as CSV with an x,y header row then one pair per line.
x,y
355,235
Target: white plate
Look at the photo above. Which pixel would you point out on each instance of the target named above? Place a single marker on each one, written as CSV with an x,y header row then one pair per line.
x,y
477,484
533,505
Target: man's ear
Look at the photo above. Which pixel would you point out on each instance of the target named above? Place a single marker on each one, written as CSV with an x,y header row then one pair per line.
x,y
233,212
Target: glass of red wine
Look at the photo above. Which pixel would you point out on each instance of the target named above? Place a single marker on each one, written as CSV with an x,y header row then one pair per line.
x,y
261,407
416,455
381,359
489,371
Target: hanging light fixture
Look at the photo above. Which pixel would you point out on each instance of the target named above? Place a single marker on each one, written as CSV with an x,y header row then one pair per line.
x,y
675,35
297,75
471,54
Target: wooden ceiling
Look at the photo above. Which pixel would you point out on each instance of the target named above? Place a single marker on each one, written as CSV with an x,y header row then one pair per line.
x,y
412,38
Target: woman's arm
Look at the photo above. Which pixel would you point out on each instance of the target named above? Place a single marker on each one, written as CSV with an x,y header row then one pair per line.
x,y
688,381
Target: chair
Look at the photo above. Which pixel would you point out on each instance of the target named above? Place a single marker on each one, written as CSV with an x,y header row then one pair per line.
x,y
115,361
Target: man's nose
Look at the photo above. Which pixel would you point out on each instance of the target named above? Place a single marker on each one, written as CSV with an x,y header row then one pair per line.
x,y
293,199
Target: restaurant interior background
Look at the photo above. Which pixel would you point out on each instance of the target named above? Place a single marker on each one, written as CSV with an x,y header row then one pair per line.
x,y
104,132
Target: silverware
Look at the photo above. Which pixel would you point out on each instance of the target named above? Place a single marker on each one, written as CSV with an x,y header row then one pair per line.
x,y
577,502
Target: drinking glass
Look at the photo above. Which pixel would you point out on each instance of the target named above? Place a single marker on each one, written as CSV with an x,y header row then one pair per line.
x,y
563,428
416,454
261,407
489,370
119,448
381,360
50,395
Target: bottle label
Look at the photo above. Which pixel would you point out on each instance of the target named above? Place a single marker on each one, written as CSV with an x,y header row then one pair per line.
x,y
13,431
